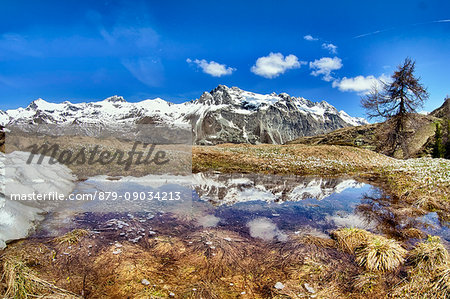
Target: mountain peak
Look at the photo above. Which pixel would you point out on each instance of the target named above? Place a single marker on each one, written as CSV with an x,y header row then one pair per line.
x,y
220,87
115,99
38,103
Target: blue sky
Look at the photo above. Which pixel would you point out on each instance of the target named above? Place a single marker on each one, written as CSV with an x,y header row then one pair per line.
x,y
320,50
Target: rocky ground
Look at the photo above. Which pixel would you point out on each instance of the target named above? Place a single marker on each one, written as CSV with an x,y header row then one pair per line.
x,y
2,140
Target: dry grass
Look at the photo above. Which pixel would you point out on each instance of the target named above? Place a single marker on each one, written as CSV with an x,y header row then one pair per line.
x,y
367,282
216,263
375,253
380,254
285,159
22,282
429,255
16,278
421,284
317,241
72,237
441,283
349,239
167,246
429,274
412,233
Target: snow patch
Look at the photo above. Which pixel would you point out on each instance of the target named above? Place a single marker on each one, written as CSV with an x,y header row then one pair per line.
x,y
18,218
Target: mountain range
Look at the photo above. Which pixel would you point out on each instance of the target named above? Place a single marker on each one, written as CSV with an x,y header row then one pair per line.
x,y
228,189
223,115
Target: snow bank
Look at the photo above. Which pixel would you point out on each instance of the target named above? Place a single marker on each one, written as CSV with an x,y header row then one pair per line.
x,y
16,176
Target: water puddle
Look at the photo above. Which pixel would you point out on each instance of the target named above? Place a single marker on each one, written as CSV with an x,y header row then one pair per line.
x,y
266,207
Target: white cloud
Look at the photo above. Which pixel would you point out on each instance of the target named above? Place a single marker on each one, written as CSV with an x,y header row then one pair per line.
x,y
310,38
148,70
275,64
325,66
330,47
360,84
212,68
265,229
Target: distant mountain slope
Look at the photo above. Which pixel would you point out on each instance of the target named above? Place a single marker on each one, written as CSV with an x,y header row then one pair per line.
x,y
443,111
420,131
220,116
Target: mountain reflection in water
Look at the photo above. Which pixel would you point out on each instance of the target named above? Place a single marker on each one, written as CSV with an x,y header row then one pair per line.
x,y
268,207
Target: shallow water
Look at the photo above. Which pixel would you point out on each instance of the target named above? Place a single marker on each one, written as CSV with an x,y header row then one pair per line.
x,y
267,207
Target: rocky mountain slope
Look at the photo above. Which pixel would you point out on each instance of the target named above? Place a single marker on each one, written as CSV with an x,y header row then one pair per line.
x,y
421,129
220,116
443,111
228,189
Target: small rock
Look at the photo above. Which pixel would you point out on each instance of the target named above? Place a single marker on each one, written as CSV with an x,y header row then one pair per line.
x,y
118,251
135,240
208,243
118,245
145,282
279,286
227,239
172,294
309,288
243,293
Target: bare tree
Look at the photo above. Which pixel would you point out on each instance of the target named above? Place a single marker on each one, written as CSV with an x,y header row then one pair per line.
x,y
395,100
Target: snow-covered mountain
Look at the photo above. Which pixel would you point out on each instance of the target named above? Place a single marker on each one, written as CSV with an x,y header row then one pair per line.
x,y
222,115
230,189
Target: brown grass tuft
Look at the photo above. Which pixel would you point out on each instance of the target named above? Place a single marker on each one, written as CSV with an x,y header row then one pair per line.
x,y
429,255
349,239
72,237
381,254
317,241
